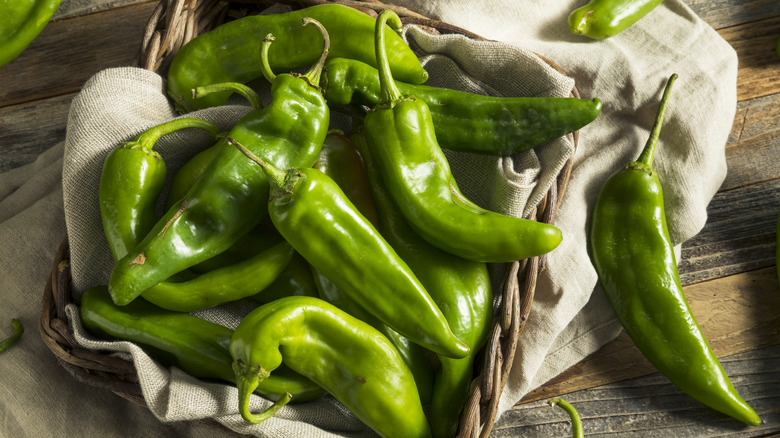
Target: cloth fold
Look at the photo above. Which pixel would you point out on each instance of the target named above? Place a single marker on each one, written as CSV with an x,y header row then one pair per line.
x,y
570,317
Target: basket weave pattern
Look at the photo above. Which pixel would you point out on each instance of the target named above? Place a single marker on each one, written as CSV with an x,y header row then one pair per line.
x,y
172,24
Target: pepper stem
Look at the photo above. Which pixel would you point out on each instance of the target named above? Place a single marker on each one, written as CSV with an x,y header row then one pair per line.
x,y
646,157
389,90
11,340
314,73
276,176
576,422
233,87
247,380
148,138
268,73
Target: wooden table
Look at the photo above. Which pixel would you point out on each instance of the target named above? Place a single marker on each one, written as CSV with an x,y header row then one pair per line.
x,y
728,269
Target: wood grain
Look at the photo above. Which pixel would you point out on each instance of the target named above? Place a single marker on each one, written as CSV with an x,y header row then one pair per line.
x,y
70,51
726,13
29,129
652,406
736,314
759,65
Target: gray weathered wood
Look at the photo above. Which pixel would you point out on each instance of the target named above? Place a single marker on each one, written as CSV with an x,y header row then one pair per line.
x,y
652,406
726,13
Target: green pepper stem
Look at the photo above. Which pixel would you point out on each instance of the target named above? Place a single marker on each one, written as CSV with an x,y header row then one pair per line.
x,y
646,157
389,90
148,138
268,73
577,431
247,380
276,176
313,75
11,340
233,87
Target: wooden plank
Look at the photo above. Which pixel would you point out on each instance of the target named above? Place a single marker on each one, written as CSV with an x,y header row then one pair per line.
x,y
759,65
736,314
739,235
31,128
727,13
753,151
75,8
68,52
652,406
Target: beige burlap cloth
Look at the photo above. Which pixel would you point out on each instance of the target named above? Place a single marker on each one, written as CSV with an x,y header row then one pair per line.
x,y
570,317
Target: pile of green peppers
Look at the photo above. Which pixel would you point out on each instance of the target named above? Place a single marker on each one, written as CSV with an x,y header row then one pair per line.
x,y
367,265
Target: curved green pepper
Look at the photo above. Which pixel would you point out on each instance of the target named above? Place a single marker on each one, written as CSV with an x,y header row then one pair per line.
x,y
341,161
8,342
22,21
229,52
312,213
131,181
230,283
601,19
349,358
400,134
230,198
197,346
634,258
467,122
461,288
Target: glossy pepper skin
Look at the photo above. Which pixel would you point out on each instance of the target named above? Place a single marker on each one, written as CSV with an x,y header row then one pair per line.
x,y
461,288
223,285
341,161
467,122
349,358
312,213
229,52
601,19
633,255
22,21
197,346
131,182
230,198
400,135
295,280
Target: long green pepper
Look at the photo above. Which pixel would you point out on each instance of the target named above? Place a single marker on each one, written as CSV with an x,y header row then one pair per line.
x,y
600,19
22,22
312,213
229,52
467,122
633,255
461,288
229,199
350,359
400,134
196,346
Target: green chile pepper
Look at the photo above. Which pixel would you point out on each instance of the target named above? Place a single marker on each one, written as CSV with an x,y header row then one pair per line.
x,y
232,283
191,170
229,52
197,346
341,161
467,122
461,288
633,255
23,21
312,213
349,358
230,198
601,19
131,181
400,134
8,342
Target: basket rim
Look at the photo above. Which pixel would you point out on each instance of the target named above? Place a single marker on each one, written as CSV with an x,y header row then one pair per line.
x,y
119,376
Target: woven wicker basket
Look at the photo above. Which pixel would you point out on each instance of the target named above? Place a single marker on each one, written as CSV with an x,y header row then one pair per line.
x,y
172,24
